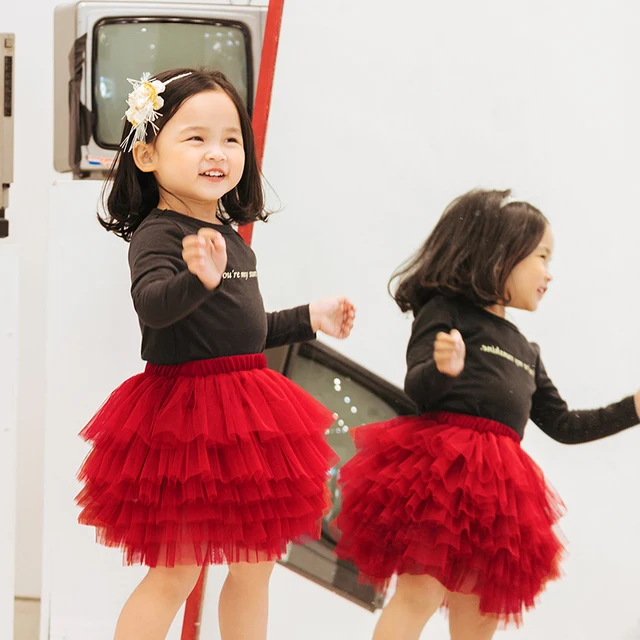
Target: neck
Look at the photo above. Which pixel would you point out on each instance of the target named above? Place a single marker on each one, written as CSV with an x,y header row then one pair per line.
x,y
497,310
200,211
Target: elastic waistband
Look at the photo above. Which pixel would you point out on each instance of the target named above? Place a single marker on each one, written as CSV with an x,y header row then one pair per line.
x,y
214,366
483,425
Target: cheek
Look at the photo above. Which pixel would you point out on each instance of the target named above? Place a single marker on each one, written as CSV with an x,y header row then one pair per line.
x,y
240,160
237,166
170,156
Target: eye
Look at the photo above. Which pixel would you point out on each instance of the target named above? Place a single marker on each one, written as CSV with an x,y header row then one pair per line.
x,y
235,140
198,138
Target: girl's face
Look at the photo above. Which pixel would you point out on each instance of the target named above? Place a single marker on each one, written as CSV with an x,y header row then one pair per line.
x,y
530,278
198,156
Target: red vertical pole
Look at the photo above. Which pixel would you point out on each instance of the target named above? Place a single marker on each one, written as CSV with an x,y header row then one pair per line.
x,y
193,609
262,106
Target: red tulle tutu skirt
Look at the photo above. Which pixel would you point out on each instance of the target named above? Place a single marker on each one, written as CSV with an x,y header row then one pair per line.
x,y
454,497
211,461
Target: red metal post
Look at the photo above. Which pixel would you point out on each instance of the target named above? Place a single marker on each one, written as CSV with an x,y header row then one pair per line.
x,y
262,104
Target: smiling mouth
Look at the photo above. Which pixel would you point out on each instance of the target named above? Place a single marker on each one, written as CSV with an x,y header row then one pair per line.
x,y
216,173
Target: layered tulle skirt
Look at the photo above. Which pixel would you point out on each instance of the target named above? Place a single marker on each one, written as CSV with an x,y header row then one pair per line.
x,y
454,497
212,461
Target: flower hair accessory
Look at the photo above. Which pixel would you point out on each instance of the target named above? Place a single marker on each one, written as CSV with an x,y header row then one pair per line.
x,y
508,200
144,102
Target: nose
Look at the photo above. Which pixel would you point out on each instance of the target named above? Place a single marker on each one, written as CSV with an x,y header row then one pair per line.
x,y
548,276
216,153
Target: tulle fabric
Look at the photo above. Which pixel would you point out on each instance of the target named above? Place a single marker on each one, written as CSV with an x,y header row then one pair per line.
x,y
207,462
454,497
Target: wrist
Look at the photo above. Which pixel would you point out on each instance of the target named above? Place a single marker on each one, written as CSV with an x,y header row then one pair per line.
x,y
314,317
211,285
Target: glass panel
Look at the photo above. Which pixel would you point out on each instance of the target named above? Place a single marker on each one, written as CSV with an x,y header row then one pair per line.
x,y
354,405
127,50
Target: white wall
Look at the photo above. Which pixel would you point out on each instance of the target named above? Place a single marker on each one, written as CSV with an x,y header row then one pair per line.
x,y
436,98
29,215
8,421
364,150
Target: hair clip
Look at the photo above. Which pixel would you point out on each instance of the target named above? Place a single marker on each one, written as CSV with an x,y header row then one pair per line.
x,y
144,102
509,200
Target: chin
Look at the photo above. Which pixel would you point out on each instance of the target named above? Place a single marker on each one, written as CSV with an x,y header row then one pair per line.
x,y
526,306
533,306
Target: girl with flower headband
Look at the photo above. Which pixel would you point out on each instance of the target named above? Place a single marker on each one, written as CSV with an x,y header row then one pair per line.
x,y
448,500
207,456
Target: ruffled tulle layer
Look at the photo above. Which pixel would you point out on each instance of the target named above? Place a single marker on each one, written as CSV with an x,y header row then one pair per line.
x,y
213,461
454,497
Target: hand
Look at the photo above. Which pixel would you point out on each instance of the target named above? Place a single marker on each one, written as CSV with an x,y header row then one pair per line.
x,y
449,353
206,256
637,401
333,316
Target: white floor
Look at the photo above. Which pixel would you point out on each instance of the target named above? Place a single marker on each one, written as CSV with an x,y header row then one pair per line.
x,y
27,619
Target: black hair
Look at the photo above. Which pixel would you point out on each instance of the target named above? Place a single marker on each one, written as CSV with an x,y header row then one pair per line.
x,y
471,251
134,193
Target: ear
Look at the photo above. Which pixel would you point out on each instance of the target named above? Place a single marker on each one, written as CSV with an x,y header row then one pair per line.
x,y
144,156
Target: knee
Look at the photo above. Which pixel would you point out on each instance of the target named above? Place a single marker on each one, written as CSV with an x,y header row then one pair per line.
x,y
251,572
419,594
175,583
467,621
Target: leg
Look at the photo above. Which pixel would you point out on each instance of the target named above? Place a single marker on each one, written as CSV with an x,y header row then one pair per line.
x,y
244,601
151,608
466,622
416,599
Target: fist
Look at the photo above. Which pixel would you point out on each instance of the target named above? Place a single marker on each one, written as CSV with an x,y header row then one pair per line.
x,y
206,256
449,353
333,316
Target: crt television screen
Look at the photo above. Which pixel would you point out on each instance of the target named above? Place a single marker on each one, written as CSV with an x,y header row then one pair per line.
x,y
126,48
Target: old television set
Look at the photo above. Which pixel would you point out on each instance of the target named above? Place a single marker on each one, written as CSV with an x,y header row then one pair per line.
x,y
356,396
99,44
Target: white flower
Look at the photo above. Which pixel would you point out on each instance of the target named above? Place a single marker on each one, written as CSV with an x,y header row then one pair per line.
x,y
144,102
146,93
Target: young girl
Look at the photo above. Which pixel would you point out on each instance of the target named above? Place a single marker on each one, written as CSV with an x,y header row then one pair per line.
x,y
207,456
448,500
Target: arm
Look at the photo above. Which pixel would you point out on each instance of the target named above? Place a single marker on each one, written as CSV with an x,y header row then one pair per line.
x,y
289,326
163,290
551,413
333,316
424,383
